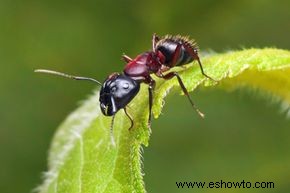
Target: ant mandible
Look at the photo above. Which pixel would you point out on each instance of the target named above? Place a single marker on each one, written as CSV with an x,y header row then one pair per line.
x,y
120,88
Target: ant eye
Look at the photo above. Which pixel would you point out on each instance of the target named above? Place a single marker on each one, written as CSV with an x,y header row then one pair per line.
x,y
125,86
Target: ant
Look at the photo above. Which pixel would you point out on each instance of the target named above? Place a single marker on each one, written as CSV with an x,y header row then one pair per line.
x,y
120,88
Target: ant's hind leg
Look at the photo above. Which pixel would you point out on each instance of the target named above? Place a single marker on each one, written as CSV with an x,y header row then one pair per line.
x,y
203,73
194,54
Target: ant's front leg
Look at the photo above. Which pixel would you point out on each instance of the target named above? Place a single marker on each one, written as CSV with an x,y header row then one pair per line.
x,y
126,58
129,116
175,74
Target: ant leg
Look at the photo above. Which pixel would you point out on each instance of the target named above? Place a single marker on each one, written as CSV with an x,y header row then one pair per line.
x,y
111,130
155,39
129,116
193,53
175,74
126,58
203,73
150,90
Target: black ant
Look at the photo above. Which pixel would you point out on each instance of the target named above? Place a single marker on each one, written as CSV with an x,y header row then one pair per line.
x,y
120,88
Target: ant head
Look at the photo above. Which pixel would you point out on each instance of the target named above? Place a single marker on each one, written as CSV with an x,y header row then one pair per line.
x,y
116,92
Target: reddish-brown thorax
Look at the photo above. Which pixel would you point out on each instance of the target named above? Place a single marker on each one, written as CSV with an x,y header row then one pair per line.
x,y
144,65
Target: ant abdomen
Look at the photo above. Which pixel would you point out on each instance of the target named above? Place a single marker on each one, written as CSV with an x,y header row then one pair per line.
x,y
168,45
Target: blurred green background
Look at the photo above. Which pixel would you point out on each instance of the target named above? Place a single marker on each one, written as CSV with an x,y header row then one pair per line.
x,y
244,136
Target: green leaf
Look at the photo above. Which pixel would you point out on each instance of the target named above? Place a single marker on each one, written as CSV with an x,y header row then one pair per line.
x,y
82,157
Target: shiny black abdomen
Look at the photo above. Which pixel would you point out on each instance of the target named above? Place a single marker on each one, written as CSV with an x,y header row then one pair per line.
x,y
168,45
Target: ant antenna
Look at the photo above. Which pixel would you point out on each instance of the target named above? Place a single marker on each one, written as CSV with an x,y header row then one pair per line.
x,y
66,75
